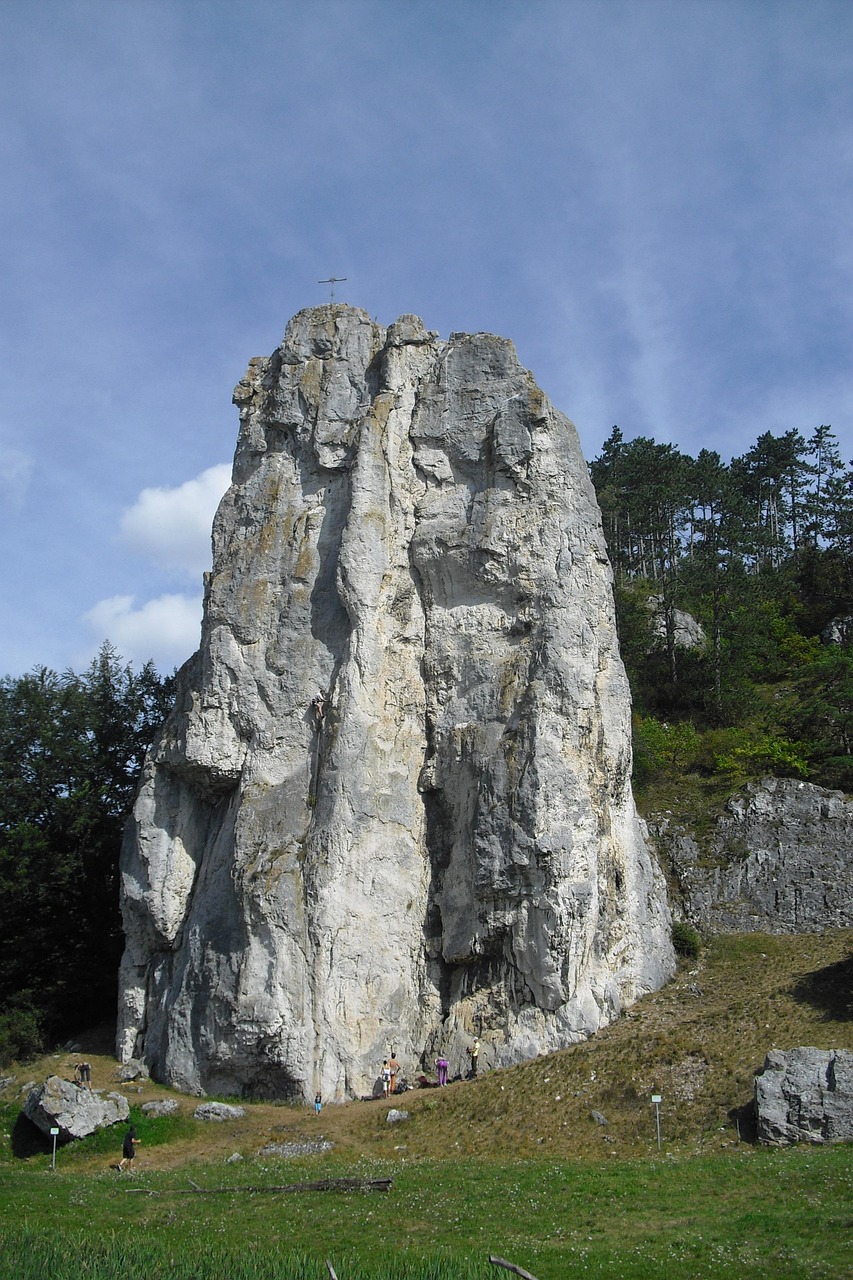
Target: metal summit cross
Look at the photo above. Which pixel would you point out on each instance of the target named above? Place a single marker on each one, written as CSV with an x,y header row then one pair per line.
x,y
332,280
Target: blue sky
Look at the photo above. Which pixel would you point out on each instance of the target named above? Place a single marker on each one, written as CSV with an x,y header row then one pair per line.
x,y
651,198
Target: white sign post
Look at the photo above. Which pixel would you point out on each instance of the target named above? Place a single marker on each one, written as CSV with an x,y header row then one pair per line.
x,y
54,1133
657,1100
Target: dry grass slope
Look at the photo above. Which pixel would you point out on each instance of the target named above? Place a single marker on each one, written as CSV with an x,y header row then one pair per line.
x,y
698,1043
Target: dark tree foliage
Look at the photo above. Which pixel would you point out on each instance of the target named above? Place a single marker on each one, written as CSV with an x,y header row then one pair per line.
x,y
71,748
760,552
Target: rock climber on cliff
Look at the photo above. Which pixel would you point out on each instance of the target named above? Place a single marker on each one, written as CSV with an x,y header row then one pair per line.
x,y
319,705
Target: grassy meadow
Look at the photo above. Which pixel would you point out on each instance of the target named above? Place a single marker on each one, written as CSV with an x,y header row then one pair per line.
x,y
512,1164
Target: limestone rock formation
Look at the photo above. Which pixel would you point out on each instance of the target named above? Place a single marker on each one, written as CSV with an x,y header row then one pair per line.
x,y
805,1095
392,807
72,1109
778,860
687,631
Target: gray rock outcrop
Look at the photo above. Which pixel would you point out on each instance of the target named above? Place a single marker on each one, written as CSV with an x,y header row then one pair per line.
x,y
805,1095
218,1111
392,807
688,632
74,1110
779,859
163,1107
132,1070
838,630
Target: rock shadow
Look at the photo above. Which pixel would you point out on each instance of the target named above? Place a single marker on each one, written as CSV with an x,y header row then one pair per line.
x,y
829,990
28,1140
745,1121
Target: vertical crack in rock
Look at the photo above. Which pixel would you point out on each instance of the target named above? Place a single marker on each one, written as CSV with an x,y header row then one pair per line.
x,y
392,806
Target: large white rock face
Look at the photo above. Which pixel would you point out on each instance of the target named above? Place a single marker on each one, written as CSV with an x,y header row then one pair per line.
x,y
452,848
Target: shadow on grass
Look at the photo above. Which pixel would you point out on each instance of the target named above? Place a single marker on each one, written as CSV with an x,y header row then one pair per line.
x,y
28,1140
830,990
745,1120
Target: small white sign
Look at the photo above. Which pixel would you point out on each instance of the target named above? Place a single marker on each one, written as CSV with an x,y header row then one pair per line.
x,y
656,1097
54,1132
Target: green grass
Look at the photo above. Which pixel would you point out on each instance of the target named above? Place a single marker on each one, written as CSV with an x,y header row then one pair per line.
x,y
512,1164
747,1212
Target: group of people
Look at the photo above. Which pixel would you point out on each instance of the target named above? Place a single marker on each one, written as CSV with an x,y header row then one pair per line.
x,y
442,1066
391,1067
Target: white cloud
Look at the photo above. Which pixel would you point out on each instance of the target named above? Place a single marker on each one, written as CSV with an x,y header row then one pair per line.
x,y
172,526
166,629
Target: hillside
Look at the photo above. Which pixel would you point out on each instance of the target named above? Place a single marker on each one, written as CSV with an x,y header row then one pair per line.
x,y
697,1042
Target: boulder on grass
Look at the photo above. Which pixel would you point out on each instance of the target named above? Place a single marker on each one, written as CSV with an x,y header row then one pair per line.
x,y
163,1107
218,1111
75,1111
133,1070
805,1095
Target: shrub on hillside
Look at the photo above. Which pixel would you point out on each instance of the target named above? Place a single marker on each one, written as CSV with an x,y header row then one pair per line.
x,y
20,1036
685,939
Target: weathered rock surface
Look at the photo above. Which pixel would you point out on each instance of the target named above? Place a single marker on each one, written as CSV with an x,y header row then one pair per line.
x,y
75,1111
688,632
218,1111
452,846
838,630
805,1095
778,860
133,1069
163,1107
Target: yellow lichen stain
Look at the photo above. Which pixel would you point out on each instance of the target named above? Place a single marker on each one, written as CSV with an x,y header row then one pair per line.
x,y
511,674
306,559
254,598
536,402
311,382
267,537
283,876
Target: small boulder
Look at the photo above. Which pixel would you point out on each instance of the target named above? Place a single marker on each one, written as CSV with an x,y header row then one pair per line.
x,y
394,1116
164,1107
75,1111
133,1070
218,1111
598,1117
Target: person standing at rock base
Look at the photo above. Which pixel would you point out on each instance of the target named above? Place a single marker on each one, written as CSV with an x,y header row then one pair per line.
x,y
394,1068
128,1150
386,1078
441,1068
474,1053
318,1103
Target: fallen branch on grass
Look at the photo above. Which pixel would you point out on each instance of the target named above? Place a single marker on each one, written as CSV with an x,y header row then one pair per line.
x,y
324,1184
510,1266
